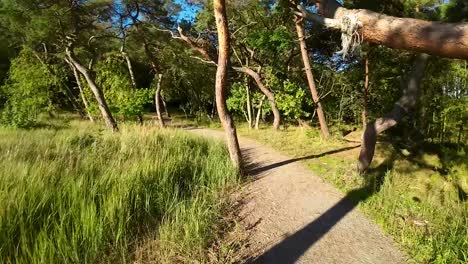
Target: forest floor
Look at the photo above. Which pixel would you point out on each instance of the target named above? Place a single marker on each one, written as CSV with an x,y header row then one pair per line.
x,y
294,216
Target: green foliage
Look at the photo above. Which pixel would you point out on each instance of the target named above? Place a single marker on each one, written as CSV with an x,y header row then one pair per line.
x,y
124,100
29,89
291,99
80,196
237,100
275,41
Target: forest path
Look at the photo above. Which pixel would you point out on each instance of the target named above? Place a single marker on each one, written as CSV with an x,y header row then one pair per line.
x,y
295,216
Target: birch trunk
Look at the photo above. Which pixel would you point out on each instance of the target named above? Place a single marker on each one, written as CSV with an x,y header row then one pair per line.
x,y
157,101
259,113
265,91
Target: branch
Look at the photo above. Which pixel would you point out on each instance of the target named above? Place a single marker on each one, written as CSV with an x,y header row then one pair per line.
x,y
237,30
174,36
204,61
327,22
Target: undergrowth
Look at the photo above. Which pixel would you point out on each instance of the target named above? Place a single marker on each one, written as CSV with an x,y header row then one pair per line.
x,y
80,194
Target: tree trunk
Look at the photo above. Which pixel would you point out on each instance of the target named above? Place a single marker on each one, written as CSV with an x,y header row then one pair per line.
x,y
103,107
416,35
310,78
165,107
219,7
83,97
265,91
157,101
259,112
364,95
249,106
405,104
130,68
211,57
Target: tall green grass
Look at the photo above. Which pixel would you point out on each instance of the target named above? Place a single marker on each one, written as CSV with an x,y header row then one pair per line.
x,y
83,195
418,205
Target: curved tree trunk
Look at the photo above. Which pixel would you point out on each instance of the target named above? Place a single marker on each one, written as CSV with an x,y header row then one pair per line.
x,y
436,38
157,101
265,91
211,56
219,7
102,104
310,78
165,107
405,104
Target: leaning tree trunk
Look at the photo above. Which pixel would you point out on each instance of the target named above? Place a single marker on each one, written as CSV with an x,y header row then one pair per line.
x,y
265,91
310,78
219,7
405,104
364,94
130,68
102,104
157,101
83,97
436,38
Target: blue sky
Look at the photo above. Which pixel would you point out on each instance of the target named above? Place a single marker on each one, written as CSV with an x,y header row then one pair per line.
x,y
189,11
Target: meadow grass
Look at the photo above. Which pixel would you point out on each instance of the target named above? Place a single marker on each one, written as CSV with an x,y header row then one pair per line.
x,y
420,198
80,194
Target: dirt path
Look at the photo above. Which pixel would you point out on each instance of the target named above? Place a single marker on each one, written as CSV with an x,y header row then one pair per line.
x,y
296,217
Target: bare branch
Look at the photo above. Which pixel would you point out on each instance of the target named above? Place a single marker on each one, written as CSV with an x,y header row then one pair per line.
x,y
327,22
204,61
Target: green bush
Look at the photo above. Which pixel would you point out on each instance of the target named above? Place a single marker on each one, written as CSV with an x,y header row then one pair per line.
x,y
29,89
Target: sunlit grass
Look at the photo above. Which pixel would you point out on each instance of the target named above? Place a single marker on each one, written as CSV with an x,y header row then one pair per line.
x,y
418,205
84,195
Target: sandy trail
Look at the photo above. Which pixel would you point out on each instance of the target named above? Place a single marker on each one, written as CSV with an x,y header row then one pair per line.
x,y
296,217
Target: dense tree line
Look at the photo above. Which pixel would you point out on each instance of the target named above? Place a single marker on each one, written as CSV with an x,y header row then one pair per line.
x,y
309,63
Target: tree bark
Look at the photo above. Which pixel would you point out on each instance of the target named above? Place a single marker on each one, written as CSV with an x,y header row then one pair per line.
x,y
83,97
405,104
130,68
157,101
102,104
219,7
310,78
416,35
259,112
265,91
364,94
249,105
165,107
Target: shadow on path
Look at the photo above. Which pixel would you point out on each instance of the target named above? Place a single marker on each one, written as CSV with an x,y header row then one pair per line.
x,y
256,170
294,246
